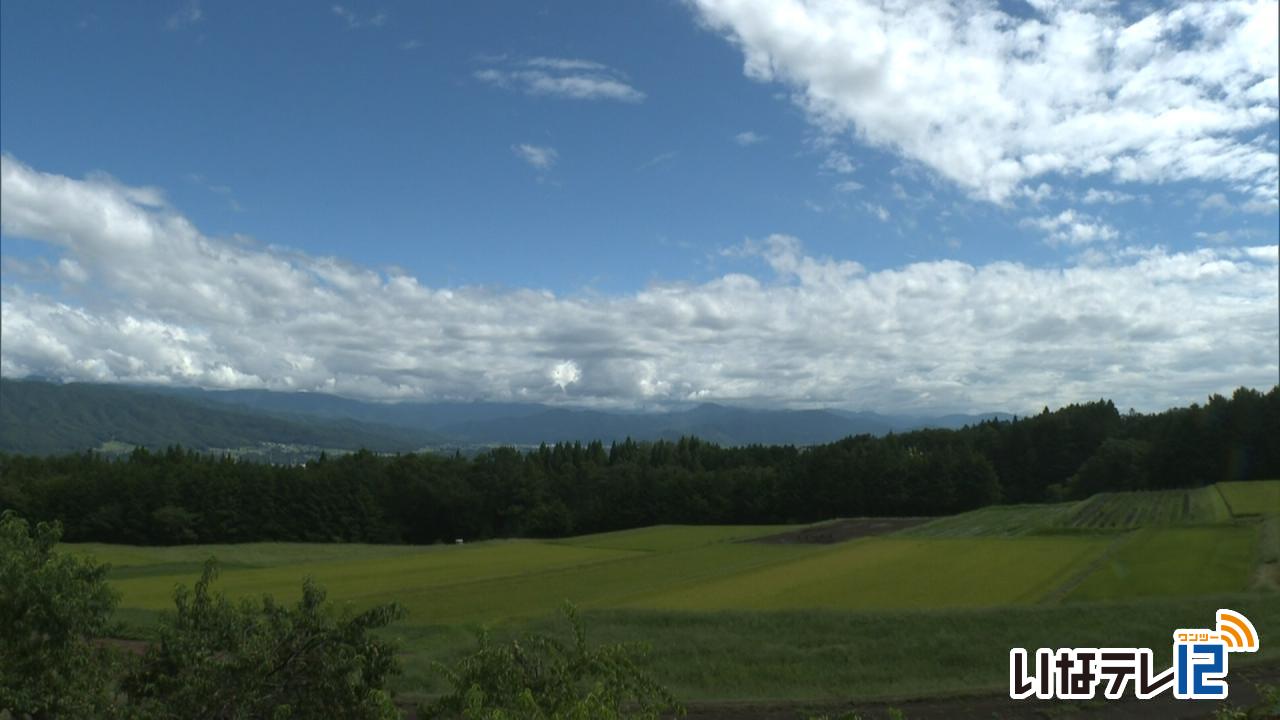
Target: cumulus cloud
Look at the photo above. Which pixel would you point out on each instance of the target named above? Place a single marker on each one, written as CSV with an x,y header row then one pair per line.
x,y
541,157
562,77
1072,228
990,100
748,137
165,303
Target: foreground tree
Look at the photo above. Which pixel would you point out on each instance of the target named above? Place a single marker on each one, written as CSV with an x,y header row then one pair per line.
x,y
222,660
52,607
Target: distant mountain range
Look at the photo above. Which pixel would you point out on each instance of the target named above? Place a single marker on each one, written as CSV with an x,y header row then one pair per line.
x,y
43,417
46,418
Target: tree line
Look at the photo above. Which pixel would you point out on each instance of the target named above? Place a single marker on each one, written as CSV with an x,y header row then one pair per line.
x,y
179,496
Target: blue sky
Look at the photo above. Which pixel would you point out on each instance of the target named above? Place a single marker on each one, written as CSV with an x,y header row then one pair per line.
x,y
840,156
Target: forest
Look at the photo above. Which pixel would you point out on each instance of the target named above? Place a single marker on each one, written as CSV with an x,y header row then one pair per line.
x,y
179,496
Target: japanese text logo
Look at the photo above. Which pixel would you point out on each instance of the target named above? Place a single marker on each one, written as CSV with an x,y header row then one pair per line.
x,y
1199,670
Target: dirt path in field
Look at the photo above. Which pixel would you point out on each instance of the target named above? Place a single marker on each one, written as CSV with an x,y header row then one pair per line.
x,y
1244,693
841,530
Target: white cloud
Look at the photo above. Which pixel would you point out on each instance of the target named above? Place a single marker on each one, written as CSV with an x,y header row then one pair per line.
x,y
880,211
186,16
1036,195
838,162
166,303
562,77
1222,237
565,373
848,186
1072,228
1110,197
990,101
748,137
541,157
356,21
566,64
1216,201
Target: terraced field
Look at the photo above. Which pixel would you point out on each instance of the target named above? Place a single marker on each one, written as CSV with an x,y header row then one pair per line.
x,y
1101,513
1160,508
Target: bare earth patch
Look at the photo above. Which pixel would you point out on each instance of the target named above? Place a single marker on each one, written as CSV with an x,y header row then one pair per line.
x,y
841,530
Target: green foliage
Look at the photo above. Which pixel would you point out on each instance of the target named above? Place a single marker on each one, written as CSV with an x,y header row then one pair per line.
x,y
52,606
1118,464
538,677
221,660
1267,707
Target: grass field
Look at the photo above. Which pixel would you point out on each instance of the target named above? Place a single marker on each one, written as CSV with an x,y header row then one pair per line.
x,y
891,572
1252,498
933,608
1175,561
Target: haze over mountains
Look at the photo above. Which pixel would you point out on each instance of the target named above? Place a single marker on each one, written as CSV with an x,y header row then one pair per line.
x,y
43,417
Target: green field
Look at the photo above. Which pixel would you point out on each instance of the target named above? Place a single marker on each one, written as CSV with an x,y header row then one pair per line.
x,y
929,609
1160,508
1252,498
1175,561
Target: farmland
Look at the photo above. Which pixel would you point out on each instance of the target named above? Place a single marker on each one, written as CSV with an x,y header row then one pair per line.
x,y
928,608
1251,498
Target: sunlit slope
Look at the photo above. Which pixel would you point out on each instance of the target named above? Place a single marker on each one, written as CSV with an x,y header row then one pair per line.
x,y
898,573
374,578
1110,546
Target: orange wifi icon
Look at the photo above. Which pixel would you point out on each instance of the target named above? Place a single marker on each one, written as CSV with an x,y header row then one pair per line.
x,y
1237,632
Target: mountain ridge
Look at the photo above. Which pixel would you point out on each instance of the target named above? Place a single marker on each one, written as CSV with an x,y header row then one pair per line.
x,y
37,416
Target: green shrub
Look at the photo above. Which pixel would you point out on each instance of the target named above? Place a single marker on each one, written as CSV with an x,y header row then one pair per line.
x,y
538,677
220,660
52,607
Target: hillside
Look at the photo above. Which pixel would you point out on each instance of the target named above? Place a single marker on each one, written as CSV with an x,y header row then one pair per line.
x,y
42,417
46,418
